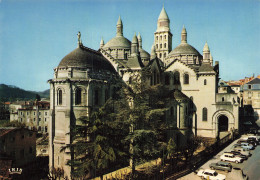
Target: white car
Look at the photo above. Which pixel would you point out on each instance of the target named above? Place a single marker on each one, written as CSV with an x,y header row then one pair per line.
x,y
247,146
211,174
230,157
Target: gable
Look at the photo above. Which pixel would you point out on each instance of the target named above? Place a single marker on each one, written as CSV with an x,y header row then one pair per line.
x,y
181,67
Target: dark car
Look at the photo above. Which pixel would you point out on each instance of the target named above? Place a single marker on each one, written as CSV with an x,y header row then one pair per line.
x,y
254,140
224,166
238,154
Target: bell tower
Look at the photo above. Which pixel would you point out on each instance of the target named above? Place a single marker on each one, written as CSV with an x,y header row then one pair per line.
x,y
163,36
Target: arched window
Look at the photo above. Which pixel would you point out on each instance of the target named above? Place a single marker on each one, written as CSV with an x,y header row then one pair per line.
x,y
204,114
205,81
78,96
160,45
176,78
223,99
164,55
165,36
160,37
164,45
156,46
186,78
160,55
59,100
167,79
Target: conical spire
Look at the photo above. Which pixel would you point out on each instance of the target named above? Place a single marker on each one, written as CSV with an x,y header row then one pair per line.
x,y
119,27
134,45
139,40
206,53
183,35
134,40
102,43
153,53
163,14
163,22
206,47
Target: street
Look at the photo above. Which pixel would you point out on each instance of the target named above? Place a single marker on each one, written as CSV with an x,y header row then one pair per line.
x,y
250,166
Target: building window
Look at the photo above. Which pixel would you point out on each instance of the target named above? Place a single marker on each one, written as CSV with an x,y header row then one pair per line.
x,y
156,37
176,78
249,86
34,113
186,78
156,46
39,128
165,36
160,55
21,119
96,100
164,55
204,114
164,45
59,97
205,81
160,37
40,113
45,119
160,45
46,114
167,79
40,119
223,99
21,113
78,96
27,113
46,129
33,119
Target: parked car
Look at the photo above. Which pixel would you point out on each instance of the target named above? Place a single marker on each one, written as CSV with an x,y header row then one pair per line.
x,y
225,166
230,157
250,142
242,151
238,154
247,146
210,174
252,138
237,174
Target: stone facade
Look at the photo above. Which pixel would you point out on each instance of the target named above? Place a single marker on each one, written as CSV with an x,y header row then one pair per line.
x,y
86,78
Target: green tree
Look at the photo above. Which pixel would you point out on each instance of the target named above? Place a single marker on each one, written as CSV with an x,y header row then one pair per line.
x,y
171,150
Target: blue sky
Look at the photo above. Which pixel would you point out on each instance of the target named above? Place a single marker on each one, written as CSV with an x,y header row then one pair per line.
x,y
36,34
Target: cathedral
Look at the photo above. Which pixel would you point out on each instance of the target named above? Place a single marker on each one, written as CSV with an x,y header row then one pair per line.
x,y
86,78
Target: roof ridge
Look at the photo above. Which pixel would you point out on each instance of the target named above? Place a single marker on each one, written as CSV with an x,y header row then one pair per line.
x,y
89,49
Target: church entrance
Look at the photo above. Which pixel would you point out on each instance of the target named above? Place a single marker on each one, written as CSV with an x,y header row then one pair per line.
x,y
223,123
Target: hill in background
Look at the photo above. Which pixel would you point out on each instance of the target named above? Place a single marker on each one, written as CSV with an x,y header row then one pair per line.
x,y
13,93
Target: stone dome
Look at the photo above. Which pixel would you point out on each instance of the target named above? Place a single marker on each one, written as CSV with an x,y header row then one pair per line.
x,y
184,49
118,42
144,54
84,57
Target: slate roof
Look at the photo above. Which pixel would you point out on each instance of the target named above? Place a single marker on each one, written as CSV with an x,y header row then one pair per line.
x,y
118,42
183,49
178,95
206,68
134,62
254,81
86,58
